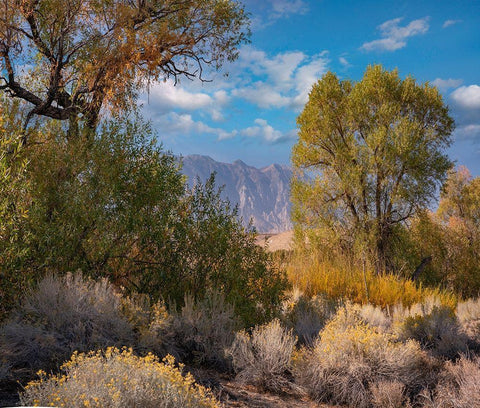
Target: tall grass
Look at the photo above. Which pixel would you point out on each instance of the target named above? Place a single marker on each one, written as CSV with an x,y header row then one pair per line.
x,y
315,276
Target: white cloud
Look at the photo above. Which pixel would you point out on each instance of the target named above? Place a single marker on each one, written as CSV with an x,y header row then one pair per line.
x,y
446,84
344,61
166,96
394,36
266,132
283,80
468,132
449,23
175,124
282,8
467,97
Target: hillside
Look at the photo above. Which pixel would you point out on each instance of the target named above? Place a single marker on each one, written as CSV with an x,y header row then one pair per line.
x,y
262,195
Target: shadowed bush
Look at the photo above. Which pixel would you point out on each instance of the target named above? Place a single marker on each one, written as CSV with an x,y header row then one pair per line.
x,y
118,379
307,316
264,357
349,356
459,386
433,325
60,316
203,330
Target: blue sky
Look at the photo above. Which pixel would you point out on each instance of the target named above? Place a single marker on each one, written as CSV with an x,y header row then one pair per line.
x,y
250,114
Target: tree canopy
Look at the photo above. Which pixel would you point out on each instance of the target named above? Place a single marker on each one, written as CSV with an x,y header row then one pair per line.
x,y
375,149
68,58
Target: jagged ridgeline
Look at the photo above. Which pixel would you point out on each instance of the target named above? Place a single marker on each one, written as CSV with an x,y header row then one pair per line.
x,y
262,195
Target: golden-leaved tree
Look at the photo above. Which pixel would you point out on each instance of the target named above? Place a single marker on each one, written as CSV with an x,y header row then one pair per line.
x,y
376,151
68,58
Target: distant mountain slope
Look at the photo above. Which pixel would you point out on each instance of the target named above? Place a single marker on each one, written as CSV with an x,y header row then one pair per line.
x,y
261,194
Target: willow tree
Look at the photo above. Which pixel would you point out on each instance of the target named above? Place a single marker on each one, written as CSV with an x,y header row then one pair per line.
x,y
376,152
69,58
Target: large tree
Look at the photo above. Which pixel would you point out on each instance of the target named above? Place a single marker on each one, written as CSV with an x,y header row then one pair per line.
x,y
68,58
376,151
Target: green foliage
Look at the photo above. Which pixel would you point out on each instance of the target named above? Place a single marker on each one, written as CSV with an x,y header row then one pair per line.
x,y
376,151
451,236
114,204
13,208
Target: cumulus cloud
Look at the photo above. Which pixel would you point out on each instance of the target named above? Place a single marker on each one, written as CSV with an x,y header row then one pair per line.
x,y
166,96
393,36
446,84
283,80
449,23
262,130
467,97
465,105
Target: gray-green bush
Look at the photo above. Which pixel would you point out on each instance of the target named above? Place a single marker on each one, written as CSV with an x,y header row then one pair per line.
x,y
264,357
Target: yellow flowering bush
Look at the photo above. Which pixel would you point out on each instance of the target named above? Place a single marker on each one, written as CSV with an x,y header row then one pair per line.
x,y
349,355
117,378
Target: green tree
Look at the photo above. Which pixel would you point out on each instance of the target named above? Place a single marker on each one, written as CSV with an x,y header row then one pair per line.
x,y
376,151
68,58
451,235
117,205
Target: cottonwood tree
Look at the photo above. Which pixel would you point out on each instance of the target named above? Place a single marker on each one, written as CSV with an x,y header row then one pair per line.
x,y
68,58
376,151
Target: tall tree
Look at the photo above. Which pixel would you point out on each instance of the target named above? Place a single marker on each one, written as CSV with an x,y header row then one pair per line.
x,y
376,151
68,58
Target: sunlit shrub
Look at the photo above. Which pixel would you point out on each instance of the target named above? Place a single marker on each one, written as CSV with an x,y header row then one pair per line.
x,y
468,314
62,315
389,394
433,325
349,356
118,379
264,357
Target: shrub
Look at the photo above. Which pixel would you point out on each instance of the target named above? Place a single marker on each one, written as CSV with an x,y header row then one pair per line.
x,y
459,386
118,379
468,314
433,325
114,204
349,356
204,329
307,316
264,357
389,394
62,315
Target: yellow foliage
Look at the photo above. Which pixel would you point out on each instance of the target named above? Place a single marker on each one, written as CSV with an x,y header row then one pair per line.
x,y
314,277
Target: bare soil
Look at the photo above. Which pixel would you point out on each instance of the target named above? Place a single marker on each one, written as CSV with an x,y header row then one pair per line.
x,y
275,242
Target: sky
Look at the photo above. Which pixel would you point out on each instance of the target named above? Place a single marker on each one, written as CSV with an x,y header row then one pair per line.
x,y
250,114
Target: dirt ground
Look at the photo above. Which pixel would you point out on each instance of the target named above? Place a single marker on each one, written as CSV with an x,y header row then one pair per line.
x,y
275,242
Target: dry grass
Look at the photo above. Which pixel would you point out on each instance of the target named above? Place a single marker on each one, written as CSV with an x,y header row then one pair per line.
x,y
313,276
115,379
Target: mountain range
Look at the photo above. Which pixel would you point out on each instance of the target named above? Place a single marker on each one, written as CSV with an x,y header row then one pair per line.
x,y
262,195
